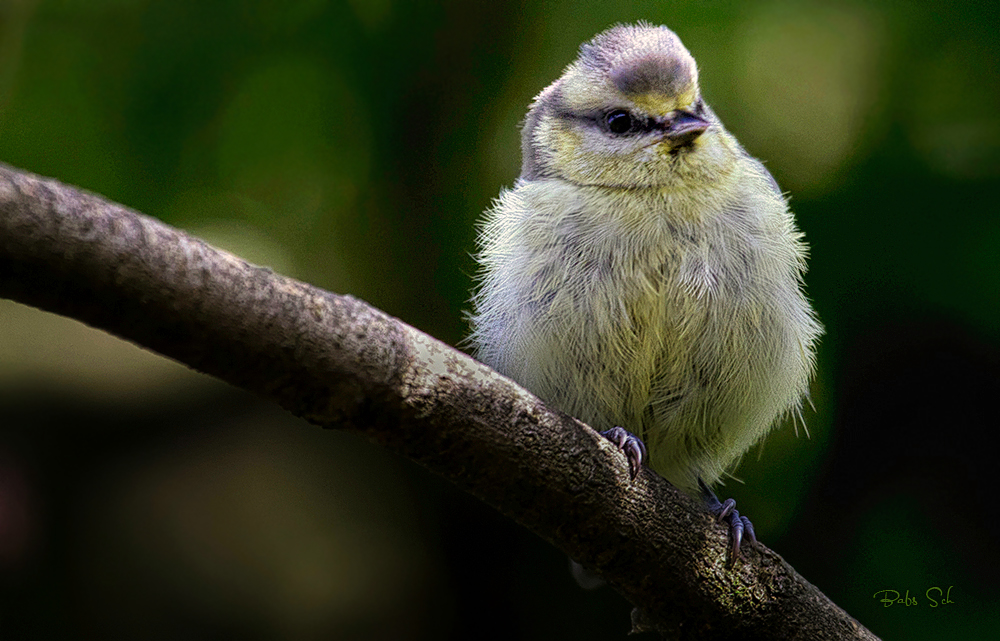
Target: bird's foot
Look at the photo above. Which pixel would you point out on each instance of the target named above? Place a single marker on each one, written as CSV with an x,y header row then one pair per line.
x,y
631,446
739,526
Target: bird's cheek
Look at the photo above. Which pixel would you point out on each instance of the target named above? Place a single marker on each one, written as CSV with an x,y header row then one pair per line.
x,y
567,149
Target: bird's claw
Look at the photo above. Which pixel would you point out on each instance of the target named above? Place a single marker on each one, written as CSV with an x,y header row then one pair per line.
x,y
739,526
630,445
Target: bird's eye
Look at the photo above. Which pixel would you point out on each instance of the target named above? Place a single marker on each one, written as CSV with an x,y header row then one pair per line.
x,y
619,121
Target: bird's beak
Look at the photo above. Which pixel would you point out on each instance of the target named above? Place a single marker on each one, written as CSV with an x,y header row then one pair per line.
x,y
682,128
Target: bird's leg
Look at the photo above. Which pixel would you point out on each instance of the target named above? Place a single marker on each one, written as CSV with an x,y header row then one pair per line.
x,y
631,446
726,511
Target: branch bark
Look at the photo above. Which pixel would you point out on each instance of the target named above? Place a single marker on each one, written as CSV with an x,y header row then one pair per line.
x,y
340,363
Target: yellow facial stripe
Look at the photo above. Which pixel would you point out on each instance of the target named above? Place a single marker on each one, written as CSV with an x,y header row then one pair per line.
x,y
658,104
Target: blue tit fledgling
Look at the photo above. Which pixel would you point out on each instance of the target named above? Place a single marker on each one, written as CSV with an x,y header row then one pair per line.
x,y
645,271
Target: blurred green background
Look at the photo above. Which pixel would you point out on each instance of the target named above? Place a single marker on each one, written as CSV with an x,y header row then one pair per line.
x,y
353,145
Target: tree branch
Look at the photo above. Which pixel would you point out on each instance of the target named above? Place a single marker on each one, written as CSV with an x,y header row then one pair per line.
x,y
340,363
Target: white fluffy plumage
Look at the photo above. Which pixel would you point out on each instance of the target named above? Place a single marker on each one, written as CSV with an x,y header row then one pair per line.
x,y
648,277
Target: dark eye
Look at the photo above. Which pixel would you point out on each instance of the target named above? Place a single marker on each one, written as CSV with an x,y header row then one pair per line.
x,y
619,121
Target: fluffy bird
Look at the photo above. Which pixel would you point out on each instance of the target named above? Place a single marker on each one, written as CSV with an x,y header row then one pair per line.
x,y
645,272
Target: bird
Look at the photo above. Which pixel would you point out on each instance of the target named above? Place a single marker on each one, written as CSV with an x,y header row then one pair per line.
x,y
644,273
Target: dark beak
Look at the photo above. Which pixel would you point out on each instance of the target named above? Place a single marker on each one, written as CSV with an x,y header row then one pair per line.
x,y
683,128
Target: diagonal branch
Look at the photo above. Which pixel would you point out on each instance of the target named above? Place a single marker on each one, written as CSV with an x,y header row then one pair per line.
x,y
340,363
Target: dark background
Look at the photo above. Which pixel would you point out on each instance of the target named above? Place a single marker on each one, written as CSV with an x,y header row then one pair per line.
x,y
353,145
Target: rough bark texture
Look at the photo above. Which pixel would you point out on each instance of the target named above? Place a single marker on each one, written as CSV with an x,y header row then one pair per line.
x,y
340,363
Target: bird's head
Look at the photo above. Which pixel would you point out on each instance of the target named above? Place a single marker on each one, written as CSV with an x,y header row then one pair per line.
x,y
627,113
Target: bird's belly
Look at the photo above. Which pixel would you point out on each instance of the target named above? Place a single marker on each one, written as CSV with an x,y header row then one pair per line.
x,y
696,375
